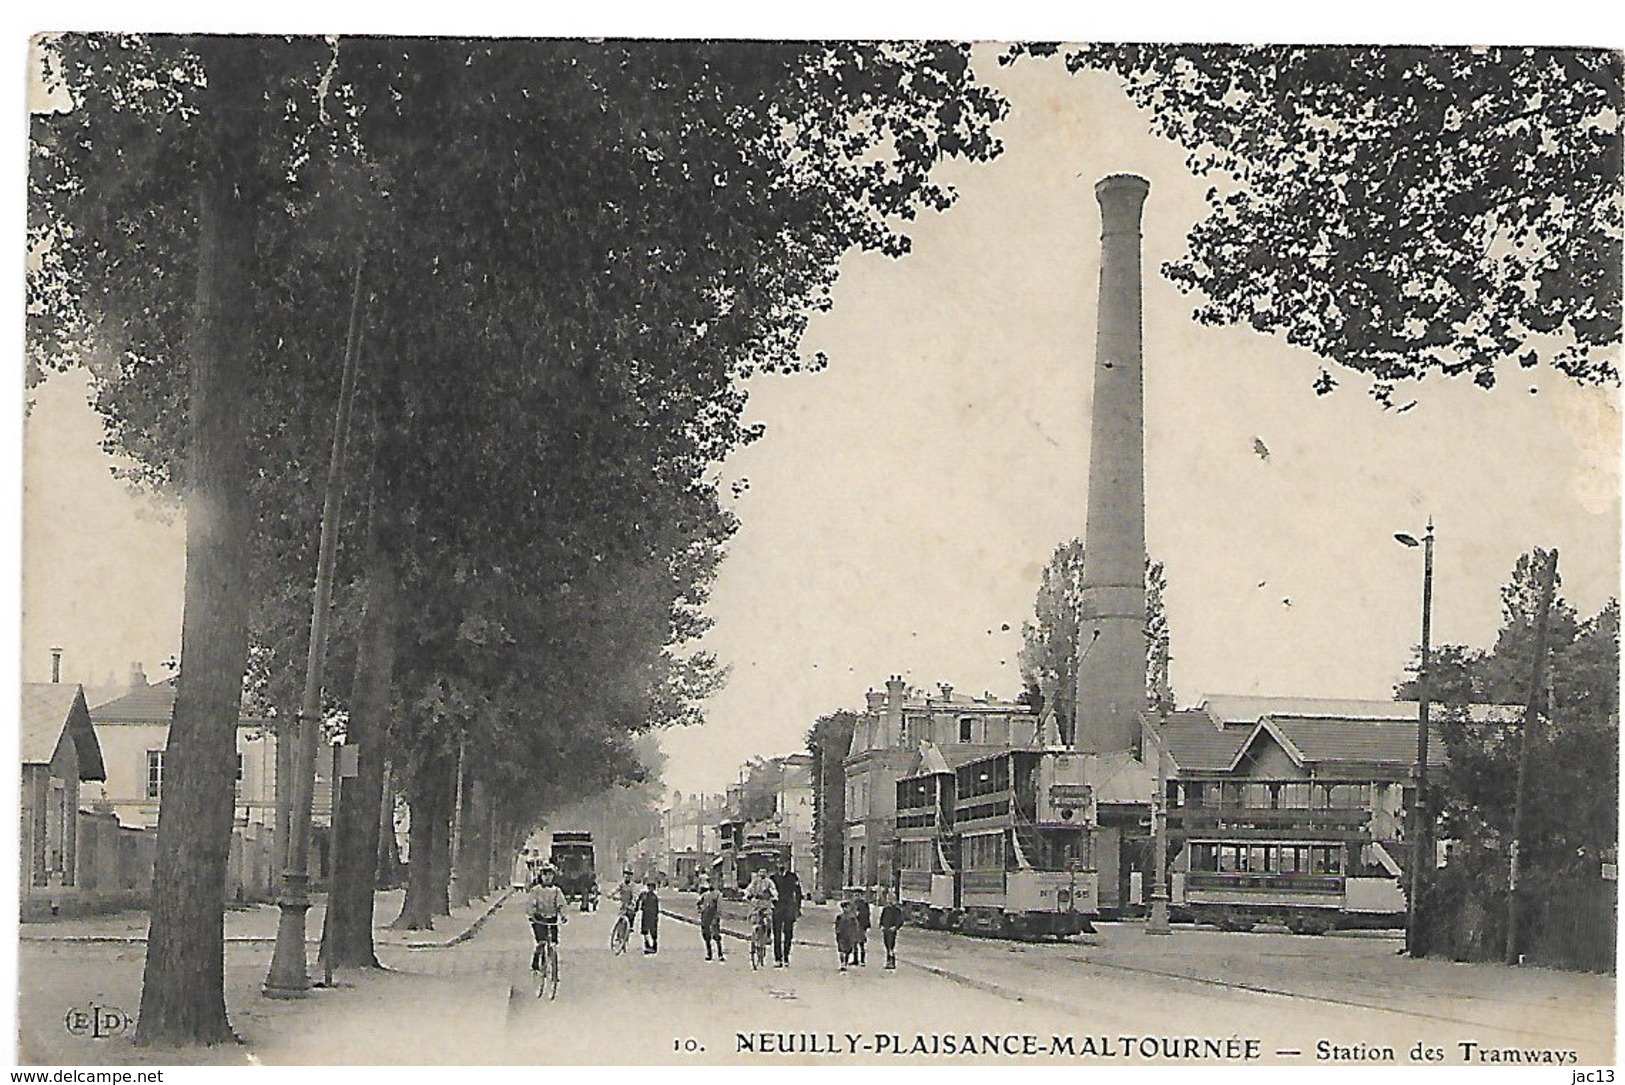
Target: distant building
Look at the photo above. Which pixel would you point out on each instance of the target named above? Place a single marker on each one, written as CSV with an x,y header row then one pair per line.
x,y
886,746
59,752
133,731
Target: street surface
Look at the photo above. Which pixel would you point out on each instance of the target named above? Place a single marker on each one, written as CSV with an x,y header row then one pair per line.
x,y
1260,995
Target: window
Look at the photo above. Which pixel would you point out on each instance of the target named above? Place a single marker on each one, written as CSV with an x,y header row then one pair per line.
x,y
984,851
965,728
155,773
239,768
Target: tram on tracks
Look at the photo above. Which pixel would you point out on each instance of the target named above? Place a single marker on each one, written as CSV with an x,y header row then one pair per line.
x,y
732,871
1311,856
1002,845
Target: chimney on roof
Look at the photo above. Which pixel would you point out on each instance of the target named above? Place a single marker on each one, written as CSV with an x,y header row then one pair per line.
x,y
947,691
56,665
138,677
874,701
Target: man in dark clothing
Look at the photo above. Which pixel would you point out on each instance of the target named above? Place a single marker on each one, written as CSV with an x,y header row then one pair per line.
x,y
786,910
891,921
863,927
649,907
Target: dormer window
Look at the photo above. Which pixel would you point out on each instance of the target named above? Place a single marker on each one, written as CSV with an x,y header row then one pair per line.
x,y
965,728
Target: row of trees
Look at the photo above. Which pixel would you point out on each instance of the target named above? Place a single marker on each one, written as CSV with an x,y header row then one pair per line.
x,y
1571,805
564,257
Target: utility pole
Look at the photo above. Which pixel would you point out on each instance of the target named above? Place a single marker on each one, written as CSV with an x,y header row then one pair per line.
x,y
287,977
1531,720
1420,827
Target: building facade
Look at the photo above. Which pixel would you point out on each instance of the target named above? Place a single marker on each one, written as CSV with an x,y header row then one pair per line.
x,y
886,746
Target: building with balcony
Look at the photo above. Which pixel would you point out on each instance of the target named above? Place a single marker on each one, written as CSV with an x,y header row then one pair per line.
x,y
886,746
1300,793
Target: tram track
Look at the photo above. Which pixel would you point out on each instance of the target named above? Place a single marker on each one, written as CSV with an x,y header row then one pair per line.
x,y
1545,1035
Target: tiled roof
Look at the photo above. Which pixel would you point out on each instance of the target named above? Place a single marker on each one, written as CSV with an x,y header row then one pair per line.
x,y
49,708
1321,740
151,704
1195,744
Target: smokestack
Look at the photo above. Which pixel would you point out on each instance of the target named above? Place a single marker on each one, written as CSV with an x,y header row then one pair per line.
x,y
1111,666
56,665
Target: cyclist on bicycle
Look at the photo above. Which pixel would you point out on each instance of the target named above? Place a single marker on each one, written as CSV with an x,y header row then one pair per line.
x,y
546,911
760,895
626,895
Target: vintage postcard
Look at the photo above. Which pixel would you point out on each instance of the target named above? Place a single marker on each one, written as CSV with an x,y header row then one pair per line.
x,y
842,553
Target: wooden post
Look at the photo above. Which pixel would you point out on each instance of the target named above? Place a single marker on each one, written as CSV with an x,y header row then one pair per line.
x,y
1531,720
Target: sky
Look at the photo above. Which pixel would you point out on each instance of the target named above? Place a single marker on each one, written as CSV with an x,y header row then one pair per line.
x,y
903,502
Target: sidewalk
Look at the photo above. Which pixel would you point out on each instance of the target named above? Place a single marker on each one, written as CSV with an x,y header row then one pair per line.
x,y
257,923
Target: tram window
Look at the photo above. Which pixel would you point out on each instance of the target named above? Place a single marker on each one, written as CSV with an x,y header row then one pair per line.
x,y
1204,857
1257,858
1292,797
1326,859
1232,858
1229,794
1255,796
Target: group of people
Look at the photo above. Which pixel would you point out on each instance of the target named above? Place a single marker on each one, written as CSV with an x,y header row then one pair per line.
x,y
775,900
852,924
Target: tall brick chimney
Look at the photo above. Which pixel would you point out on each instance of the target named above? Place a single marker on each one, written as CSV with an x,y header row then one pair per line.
x,y
1111,668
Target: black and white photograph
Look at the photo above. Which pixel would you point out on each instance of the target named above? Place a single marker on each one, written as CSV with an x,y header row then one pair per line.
x,y
704,551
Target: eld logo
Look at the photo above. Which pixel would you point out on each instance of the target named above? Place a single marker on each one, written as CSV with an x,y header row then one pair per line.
x,y
97,1022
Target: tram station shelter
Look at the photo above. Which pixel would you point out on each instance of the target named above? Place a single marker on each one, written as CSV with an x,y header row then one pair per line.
x,y
1289,767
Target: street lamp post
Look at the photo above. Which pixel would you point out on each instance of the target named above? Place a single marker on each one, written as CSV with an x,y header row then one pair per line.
x,y
1421,866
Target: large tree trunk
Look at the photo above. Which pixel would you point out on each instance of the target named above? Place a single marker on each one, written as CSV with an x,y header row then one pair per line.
x,y
477,866
461,890
417,912
440,843
347,932
389,854
182,991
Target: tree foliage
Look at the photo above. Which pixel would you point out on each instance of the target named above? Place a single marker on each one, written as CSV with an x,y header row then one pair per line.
x,y
1399,211
1049,640
572,253
1571,819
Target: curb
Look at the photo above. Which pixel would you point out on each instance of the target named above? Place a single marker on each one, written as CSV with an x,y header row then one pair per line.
x,y
269,940
467,933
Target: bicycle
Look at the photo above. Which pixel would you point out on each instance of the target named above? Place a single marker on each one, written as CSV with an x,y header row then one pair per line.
x,y
547,974
759,937
620,934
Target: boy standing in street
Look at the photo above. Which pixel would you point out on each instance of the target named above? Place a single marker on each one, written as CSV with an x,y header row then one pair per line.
x,y
649,906
711,919
891,921
846,932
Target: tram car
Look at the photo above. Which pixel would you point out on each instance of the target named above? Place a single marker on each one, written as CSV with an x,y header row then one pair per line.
x,y
1002,845
764,853
1317,865
573,857
733,869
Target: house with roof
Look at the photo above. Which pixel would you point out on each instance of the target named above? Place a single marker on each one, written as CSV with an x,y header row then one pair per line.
x,y
133,731
59,753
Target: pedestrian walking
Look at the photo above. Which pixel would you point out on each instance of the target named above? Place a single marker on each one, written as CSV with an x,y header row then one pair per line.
x,y
649,907
786,910
861,908
710,906
891,921
846,932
